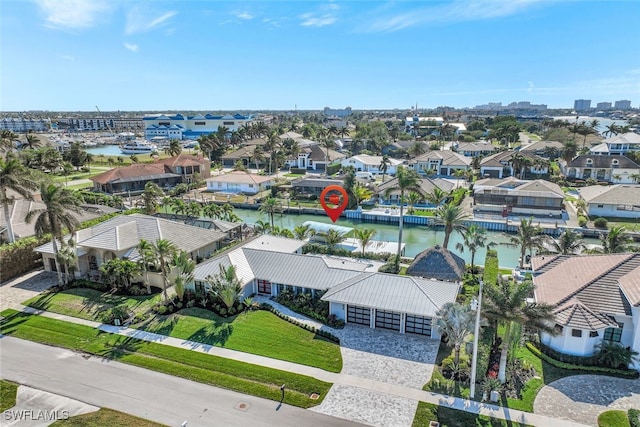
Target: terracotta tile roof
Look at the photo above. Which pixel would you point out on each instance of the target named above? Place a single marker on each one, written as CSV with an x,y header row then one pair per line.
x,y
184,159
574,314
240,177
132,171
630,285
540,261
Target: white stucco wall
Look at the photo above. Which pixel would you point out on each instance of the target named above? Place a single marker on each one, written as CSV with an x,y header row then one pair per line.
x,y
339,310
612,210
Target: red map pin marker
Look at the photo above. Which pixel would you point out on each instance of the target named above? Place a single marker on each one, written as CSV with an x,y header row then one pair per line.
x,y
334,213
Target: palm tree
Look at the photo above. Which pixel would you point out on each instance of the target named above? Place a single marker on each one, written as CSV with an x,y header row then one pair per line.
x,y
271,206
384,166
364,236
437,196
361,193
147,258
413,199
150,197
452,217
617,240
333,238
164,251
15,177
68,257
134,158
55,217
32,141
406,180
614,355
568,243
529,237
459,173
303,232
474,238
7,138
184,268
174,148
456,321
505,303
261,227
612,130
635,178
225,286
569,151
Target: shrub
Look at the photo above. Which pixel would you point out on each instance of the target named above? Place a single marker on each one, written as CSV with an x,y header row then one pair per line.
x,y
491,267
223,312
232,311
600,222
613,418
634,417
582,221
118,312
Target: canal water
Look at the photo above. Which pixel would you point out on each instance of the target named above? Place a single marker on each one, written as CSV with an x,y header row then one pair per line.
x,y
416,238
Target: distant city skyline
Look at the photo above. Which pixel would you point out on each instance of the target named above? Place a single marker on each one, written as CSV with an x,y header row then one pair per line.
x,y
71,55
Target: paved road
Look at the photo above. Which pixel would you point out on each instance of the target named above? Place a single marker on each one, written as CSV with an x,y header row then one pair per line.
x,y
158,397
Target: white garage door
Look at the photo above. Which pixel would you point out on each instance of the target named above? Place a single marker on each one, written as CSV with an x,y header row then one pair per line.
x,y
418,325
358,315
388,320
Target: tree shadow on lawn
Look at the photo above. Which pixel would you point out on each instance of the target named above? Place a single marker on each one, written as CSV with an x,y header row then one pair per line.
x,y
204,336
453,417
43,302
9,324
118,346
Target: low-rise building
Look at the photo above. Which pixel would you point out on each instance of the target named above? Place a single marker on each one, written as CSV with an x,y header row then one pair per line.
x,y
427,185
25,124
443,162
178,126
618,144
616,201
613,168
311,185
367,163
512,163
239,182
546,149
512,196
475,149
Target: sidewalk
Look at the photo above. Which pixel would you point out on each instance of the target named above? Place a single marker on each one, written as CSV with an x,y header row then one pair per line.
x,y
341,379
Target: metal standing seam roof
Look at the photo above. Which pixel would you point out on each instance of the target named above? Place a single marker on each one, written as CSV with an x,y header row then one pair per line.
x,y
271,243
394,293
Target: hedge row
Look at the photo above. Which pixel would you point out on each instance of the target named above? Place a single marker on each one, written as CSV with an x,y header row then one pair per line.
x,y
313,329
491,267
595,369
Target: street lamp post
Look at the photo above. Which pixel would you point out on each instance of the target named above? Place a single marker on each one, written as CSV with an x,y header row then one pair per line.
x,y
476,333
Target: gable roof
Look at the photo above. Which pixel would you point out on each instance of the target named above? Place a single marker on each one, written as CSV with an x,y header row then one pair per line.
x,y
618,194
603,161
394,293
631,138
437,263
184,159
630,285
447,158
514,186
318,153
504,157
478,146
366,159
135,172
541,146
240,177
426,184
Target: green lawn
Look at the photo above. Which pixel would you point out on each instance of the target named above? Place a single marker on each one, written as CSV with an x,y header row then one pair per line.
x,y
226,373
257,332
88,303
8,392
613,418
448,417
105,417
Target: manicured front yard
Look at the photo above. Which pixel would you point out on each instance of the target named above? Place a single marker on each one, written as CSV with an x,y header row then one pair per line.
x,y
8,392
448,417
226,373
88,303
257,332
106,417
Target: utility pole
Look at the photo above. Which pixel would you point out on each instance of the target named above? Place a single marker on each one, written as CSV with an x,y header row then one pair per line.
x,y
476,333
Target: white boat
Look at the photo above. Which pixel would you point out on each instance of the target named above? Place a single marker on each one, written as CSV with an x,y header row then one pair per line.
x,y
138,147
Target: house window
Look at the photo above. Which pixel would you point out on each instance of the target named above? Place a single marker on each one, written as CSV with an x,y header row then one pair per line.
x,y
228,123
200,123
601,206
593,334
558,329
613,334
576,333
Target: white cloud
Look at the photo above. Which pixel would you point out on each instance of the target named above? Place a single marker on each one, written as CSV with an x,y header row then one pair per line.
x,y
244,15
455,11
325,15
72,14
131,47
140,21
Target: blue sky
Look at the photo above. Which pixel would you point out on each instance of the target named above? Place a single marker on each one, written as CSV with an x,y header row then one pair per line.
x,y
216,55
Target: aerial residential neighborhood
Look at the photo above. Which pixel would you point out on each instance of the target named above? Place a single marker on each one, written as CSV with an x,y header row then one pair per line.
x,y
300,214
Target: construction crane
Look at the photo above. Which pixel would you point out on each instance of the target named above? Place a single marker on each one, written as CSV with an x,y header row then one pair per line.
x,y
106,122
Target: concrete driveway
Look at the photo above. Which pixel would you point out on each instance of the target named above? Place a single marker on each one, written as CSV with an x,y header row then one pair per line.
x,y
582,398
21,288
385,356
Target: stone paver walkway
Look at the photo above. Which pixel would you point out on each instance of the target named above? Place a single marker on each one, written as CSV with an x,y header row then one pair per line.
x,y
582,398
17,290
36,408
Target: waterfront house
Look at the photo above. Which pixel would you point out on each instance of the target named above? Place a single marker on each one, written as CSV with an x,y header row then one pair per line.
x,y
512,163
441,162
596,298
313,185
427,185
437,263
546,149
512,196
239,182
613,168
133,178
119,237
367,163
616,201
355,293
618,144
188,166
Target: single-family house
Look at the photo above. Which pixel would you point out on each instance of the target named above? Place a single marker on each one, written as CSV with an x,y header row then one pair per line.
x,y
119,237
618,144
512,163
596,298
443,162
133,178
367,163
546,149
619,201
188,166
613,168
239,182
427,185
315,157
309,185
512,196
437,263
247,155
355,294
474,149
